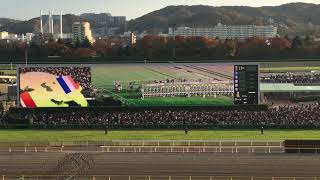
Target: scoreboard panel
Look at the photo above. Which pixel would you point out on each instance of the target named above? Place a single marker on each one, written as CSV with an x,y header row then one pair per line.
x,y
246,84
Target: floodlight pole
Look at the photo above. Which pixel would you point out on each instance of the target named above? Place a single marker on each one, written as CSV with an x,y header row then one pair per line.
x,y
174,41
26,56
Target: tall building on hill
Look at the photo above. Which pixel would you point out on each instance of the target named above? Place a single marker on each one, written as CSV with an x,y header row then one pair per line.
x,y
102,18
81,30
106,24
240,32
119,21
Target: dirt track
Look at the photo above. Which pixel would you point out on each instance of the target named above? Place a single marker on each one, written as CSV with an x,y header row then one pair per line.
x,y
163,164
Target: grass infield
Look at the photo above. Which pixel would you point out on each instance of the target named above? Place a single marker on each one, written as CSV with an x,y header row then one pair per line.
x,y
44,136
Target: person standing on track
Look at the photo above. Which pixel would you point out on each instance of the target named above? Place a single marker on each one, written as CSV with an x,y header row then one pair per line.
x,y
106,130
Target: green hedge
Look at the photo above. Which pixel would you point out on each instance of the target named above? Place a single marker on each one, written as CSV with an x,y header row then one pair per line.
x,y
151,127
129,59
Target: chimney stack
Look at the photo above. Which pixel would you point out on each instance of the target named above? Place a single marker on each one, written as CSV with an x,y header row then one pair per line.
x,y
61,25
49,22
41,25
52,31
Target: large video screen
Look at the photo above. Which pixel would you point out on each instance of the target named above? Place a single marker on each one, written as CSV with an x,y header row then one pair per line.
x,y
53,86
163,84
167,84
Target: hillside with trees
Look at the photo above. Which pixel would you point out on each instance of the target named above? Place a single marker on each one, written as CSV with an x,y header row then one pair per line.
x,y
292,19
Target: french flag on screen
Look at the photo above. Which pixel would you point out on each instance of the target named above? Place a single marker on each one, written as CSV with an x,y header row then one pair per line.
x,y
67,84
26,100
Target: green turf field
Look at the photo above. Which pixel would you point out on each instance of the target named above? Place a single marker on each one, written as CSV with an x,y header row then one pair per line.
x,y
44,136
289,69
301,66
291,64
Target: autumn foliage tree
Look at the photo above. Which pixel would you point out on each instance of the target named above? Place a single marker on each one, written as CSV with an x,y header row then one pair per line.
x,y
102,48
158,47
280,44
255,47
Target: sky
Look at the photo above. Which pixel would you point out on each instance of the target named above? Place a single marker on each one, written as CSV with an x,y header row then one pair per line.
x,y
26,9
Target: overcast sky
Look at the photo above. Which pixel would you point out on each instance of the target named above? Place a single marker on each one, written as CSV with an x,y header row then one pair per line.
x,y
26,9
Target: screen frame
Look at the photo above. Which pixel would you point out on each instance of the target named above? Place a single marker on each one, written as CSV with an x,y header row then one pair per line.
x,y
42,65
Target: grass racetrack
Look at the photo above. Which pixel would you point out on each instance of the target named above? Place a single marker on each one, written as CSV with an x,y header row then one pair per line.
x,y
44,136
182,101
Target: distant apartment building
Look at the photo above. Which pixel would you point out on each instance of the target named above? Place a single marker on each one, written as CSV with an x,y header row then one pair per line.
x,y
43,38
4,35
240,32
106,24
102,18
119,21
27,37
131,37
81,30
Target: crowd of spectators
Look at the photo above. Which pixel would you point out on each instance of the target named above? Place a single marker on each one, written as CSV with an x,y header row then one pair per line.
x,y
283,115
296,78
81,75
3,117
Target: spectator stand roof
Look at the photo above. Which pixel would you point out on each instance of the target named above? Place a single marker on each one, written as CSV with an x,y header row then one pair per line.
x,y
287,87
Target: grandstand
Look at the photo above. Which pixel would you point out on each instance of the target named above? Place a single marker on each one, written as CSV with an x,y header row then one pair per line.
x,y
295,87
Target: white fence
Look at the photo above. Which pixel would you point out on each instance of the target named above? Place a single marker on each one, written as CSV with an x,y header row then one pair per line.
x,y
101,177
174,143
149,146
150,143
